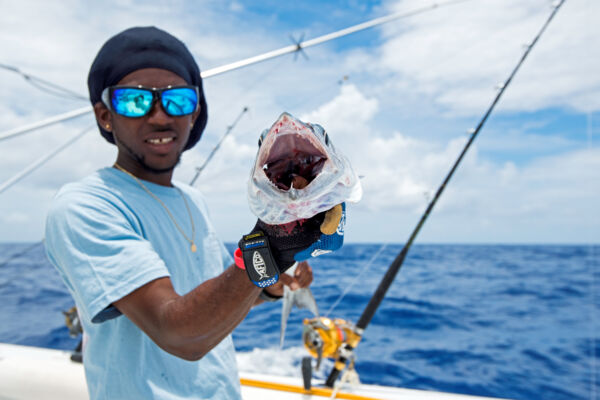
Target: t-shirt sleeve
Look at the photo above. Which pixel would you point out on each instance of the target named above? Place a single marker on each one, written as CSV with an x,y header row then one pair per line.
x,y
98,248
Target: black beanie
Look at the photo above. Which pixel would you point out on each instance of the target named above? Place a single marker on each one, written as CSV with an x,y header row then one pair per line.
x,y
145,47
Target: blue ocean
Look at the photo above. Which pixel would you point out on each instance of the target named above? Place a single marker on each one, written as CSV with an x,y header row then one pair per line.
x,y
509,321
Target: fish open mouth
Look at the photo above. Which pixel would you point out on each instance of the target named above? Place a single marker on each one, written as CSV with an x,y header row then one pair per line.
x,y
298,174
293,161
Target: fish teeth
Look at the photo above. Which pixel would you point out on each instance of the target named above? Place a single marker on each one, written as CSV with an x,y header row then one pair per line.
x,y
160,140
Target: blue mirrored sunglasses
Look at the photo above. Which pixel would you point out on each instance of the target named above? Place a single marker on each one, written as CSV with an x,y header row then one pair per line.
x,y
137,101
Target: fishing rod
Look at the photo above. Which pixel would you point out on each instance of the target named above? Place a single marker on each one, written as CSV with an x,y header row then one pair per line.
x,y
347,349
214,150
297,47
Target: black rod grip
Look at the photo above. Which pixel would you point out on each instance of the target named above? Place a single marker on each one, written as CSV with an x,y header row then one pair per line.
x,y
333,375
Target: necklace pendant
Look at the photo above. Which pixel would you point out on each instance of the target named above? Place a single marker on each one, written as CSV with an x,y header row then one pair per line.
x,y
193,248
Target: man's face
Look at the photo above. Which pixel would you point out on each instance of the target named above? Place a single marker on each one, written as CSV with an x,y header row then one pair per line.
x,y
151,144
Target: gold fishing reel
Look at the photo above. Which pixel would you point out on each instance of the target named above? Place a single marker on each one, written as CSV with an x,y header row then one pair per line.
x,y
325,337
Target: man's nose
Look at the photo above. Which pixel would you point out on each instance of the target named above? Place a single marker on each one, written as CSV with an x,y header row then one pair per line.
x,y
157,114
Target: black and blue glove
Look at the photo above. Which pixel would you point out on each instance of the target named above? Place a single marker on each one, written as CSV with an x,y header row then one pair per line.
x,y
283,245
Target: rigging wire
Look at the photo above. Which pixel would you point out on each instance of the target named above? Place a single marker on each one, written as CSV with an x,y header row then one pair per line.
x,y
44,85
218,145
262,57
16,178
46,122
389,276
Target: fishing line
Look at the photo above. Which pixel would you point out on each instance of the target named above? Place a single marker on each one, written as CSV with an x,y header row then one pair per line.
x,y
356,278
377,298
44,85
594,322
592,252
592,258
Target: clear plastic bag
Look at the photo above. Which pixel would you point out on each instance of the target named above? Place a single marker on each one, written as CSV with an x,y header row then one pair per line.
x,y
303,156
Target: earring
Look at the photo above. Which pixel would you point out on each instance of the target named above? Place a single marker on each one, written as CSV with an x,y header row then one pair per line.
x,y
191,124
107,126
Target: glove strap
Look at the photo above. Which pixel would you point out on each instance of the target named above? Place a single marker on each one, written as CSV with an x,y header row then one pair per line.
x,y
266,296
258,259
239,260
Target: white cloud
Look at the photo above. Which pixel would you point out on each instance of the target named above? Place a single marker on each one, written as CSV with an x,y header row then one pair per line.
x,y
235,6
439,66
458,54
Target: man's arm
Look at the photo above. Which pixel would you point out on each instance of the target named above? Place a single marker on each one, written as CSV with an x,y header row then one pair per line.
x,y
189,326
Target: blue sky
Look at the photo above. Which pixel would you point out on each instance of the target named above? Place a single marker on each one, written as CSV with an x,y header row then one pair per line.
x,y
414,88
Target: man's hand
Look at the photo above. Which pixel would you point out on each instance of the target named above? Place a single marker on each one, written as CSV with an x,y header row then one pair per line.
x,y
302,278
303,239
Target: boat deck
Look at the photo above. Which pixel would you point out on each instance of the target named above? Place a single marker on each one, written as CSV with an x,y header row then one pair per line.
x,y
28,373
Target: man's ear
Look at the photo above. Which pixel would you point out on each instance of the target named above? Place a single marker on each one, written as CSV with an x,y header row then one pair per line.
x,y
103,116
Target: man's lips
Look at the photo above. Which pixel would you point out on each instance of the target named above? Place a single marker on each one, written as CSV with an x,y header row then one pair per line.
x,y
164,140
161,138
162,143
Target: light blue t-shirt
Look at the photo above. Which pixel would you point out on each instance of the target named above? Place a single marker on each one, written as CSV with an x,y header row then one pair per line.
x,y
108,237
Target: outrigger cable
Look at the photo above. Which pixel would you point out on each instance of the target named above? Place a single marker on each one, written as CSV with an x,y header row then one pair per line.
x,y
347,349
294,48
214,150
44,85
46,122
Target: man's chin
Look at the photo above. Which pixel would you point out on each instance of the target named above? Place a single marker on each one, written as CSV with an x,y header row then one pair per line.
x,y
157,170
159,167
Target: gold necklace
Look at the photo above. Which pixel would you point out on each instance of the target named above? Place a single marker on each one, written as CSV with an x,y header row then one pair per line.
x,y
187,207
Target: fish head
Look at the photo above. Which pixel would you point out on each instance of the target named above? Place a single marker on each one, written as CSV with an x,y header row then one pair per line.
x,y
298,173
292,153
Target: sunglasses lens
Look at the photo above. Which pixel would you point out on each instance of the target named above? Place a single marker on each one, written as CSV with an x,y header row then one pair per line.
x,y
179,101
131,102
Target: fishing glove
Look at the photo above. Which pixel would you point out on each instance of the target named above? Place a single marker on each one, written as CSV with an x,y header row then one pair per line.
x,y
270,247
303,239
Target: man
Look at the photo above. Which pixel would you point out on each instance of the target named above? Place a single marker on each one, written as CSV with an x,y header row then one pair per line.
x,y
156,290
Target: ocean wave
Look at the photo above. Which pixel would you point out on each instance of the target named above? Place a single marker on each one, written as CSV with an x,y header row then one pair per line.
x,y
505,321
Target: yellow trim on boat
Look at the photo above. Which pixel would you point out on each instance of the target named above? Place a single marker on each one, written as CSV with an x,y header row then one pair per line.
x,y
299,389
